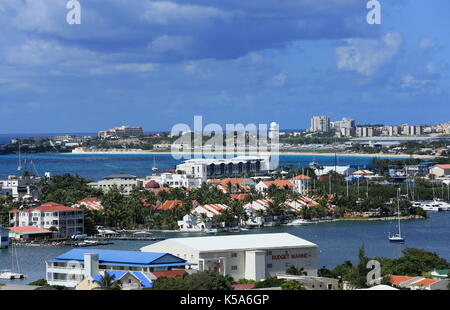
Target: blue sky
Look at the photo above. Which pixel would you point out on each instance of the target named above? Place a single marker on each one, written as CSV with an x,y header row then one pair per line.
x,y
158,63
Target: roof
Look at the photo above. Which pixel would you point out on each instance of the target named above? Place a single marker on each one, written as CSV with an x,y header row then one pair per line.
x,y
397,280
278,183
169,273
29,230
237,242
151,185
445,166
425,282
124,258
380,287
239,196
168,205
248,286
48,206
301,177
93,203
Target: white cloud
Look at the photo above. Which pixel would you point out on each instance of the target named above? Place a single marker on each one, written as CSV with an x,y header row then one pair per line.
x,y
166,12
426,43
166,43
410,81
366,56
279,79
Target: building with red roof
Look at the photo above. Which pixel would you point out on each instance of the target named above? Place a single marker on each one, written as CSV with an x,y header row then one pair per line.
x,y
418,283
93,204
440,170
29,232
65,219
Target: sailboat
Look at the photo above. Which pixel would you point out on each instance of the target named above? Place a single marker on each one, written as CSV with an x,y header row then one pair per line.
x,y
11,274
154,168
19,167
397,237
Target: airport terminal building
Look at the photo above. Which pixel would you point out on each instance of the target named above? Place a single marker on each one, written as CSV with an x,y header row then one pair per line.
x,y
244,256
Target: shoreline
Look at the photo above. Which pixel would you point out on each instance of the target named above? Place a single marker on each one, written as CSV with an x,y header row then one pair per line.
x,y
341,154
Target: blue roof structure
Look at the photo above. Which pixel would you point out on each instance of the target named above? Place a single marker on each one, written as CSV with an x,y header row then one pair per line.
x,y
145,282
124,258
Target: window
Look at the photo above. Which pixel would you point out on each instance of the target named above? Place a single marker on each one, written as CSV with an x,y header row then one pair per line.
x,y
269,265
269,252
233,267
233,254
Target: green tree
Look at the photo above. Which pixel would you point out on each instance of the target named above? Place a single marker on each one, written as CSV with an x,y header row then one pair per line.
x,y
292,285
108,282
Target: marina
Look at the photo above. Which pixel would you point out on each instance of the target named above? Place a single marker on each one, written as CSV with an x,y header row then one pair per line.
x,y
337,241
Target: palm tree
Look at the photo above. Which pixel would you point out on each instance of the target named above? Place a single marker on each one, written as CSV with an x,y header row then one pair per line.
x,y
108,282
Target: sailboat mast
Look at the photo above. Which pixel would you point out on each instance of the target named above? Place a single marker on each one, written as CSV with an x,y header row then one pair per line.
x,y
398,211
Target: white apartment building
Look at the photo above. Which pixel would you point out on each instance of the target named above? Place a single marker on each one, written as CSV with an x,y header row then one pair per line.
x,y
203,168
245,256
19,187
175,180
67,220
126,182
122,131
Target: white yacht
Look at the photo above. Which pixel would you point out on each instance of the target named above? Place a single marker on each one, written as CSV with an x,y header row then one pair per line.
x,y
296,222
445,206
431,206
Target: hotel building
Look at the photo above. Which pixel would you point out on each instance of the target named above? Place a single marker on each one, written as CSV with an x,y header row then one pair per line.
x,y
66,219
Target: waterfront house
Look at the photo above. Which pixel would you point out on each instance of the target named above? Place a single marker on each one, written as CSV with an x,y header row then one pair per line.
x,y
29,233
200,217
72,267
50,215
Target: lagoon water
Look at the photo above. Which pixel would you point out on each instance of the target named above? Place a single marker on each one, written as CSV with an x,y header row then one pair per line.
x,y
337,242
97,166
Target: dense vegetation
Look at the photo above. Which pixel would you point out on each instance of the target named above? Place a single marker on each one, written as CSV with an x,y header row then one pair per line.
x,y
414,262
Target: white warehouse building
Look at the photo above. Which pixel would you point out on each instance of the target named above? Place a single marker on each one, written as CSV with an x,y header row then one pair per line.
x,y
244,256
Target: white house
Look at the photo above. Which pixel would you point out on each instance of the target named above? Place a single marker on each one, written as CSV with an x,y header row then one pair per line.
x,y
302,183
194,221
245,256
440,170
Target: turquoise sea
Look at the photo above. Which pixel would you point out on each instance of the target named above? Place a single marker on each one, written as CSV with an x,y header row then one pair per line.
x,y
97,166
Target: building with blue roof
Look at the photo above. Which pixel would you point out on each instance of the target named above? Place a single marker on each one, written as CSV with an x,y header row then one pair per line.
x,y
72,267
